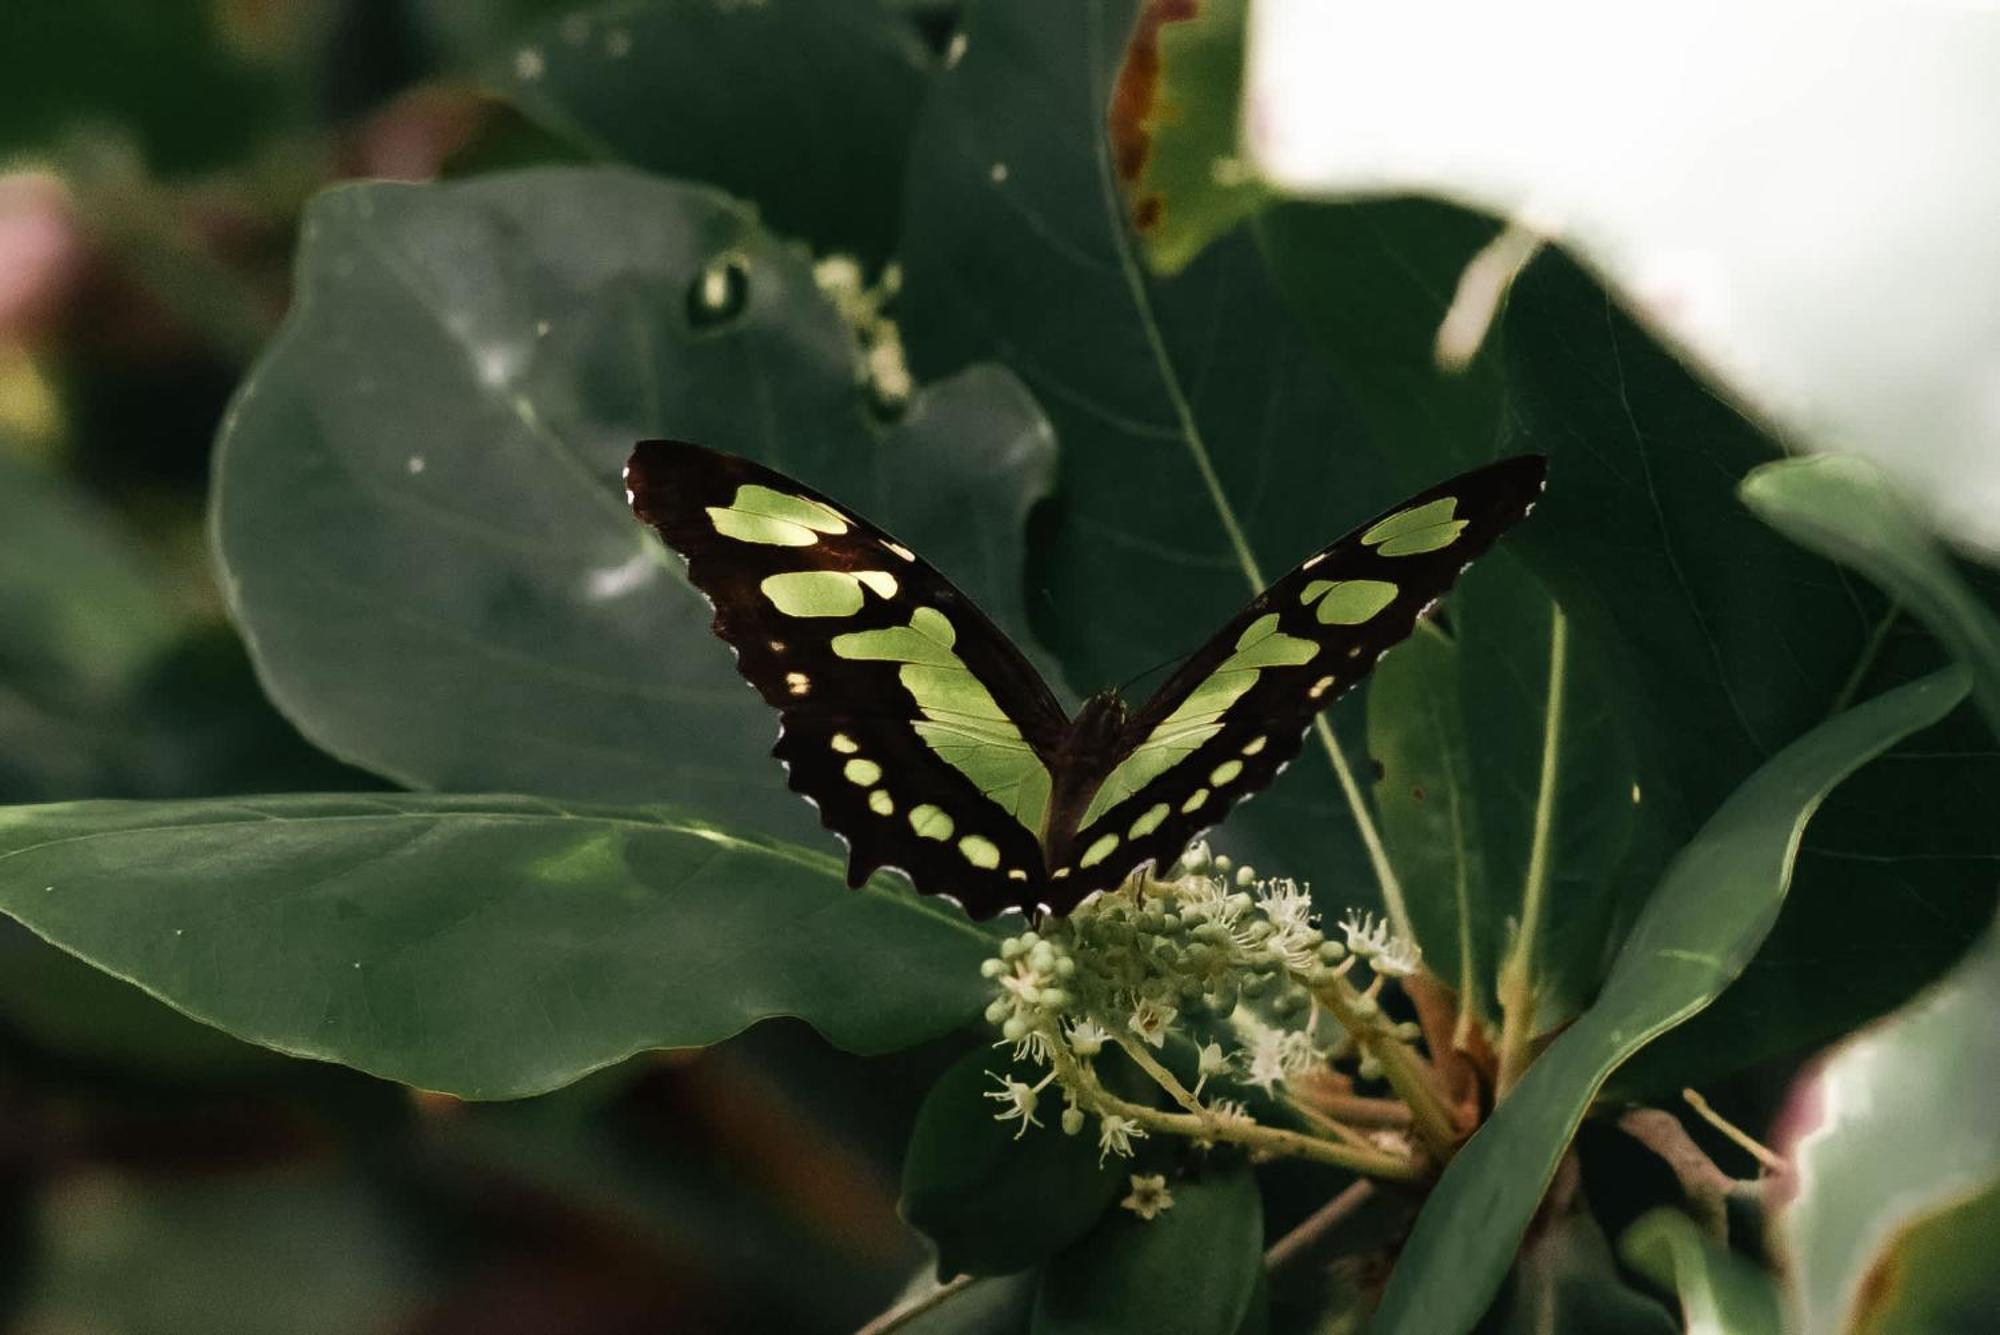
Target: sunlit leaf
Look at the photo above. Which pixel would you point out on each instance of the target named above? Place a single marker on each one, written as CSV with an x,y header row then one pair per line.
x,y
1898,1162
1866,327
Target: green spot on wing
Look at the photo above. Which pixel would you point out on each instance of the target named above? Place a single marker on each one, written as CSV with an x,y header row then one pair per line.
x,y
813,593
980,852
1224,772
1423,539
1149,822
931,822
1199,717
759,514
1100,849
1422,528
961,721
1427,515
1349,602
861,771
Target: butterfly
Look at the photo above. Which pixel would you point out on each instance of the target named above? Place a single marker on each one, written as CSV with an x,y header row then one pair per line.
x,y
932,746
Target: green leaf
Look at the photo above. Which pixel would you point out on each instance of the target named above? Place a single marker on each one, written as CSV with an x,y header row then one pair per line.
x,y
418,505
1709,915
1698,643
802,107
1847,510
1720,1292
1174,128
1429,813
1723,643
994,1202
1458,725
1203,447
1193,1267
1898,1168
486,947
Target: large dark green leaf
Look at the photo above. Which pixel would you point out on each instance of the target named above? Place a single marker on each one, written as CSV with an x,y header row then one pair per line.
x,y
803,107
1203,445
1696,643
418,506
1458,723
487,947
1898,1168
1708,917
992,1202
1193,1268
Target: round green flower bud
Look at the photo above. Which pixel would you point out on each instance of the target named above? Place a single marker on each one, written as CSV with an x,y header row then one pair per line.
x,y
992,968
1015,1029
1333,952
1367,1007
1072,1121
1369,1068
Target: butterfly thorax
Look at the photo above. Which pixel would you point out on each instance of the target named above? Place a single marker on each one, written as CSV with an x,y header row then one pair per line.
x,y
1089,749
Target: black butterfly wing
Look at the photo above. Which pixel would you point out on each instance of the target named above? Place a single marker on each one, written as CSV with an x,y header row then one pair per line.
x,y
918,730
1236,712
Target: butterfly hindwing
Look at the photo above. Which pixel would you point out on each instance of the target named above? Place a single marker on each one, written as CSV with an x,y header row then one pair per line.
x,y
1233,715
911,722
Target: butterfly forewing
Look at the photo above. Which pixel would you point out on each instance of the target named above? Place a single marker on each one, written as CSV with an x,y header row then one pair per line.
x,y
1236,712
917,729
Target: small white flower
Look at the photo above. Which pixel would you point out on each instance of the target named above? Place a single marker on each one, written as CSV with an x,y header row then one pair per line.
x,y
1211,1061
1149,1196
1020,1098
1267,1063
1115,1135
1377,942
1230,1112
1150,1021
1087,1038
1034,1046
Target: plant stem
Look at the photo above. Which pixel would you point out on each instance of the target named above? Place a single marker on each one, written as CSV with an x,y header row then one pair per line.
x,y
1162,1077
1751,1145
1318,1224
1407,1073
1516,989
1371,838
903,1313
1205,1125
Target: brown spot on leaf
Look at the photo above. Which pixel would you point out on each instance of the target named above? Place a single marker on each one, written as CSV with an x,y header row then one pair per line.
x,y
1135,102
1417,794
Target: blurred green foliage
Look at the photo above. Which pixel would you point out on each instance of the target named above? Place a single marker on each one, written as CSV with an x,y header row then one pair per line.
x,y
409,564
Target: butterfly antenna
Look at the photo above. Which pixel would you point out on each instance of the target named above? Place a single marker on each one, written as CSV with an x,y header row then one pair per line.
x,y
1136,678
